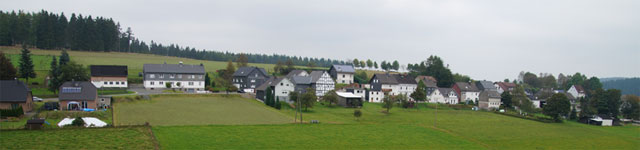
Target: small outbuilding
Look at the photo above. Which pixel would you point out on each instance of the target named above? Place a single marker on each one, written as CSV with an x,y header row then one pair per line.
x,y
35,124
602,120
346,99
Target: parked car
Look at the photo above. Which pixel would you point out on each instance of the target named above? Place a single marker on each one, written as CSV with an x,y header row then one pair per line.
x,y
37,99
51,105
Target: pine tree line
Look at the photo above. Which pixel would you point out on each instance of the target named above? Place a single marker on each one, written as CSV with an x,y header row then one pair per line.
x,y
46,30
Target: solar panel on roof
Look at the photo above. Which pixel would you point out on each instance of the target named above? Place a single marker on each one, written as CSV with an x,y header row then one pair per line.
x,y
71,89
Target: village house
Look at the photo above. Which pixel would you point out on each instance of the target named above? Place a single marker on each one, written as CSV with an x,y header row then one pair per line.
x,y
486,86
109,76
15,94
430,82
443,95
280,86
355,89
466,92
489,100
393,84
246,79
189,78
504,86
577,91
343,74
321,81
77,95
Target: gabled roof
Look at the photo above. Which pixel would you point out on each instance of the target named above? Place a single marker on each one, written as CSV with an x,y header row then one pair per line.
x,y
485,95
429,81
295,73
343,68
485,85
385,78
271,82
445,91
316,75
404,79
108,71
87,91
245,71
13,91
301,79
173,68
347,95
506,85
467,87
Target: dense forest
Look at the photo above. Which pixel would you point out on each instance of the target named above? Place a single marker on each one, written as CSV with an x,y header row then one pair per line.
x,y
46,30
626,85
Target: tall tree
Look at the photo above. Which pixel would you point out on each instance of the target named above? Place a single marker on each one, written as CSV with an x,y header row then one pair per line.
x,y
396,65
356,63
309,98
435,67
26,65
505,98
73,72
630,107
363,64
387,102
242,60
330,97
64,58
269,97
228,76
369,63
290,66
420,94
557,106
54,75
7,71
207,80
375,64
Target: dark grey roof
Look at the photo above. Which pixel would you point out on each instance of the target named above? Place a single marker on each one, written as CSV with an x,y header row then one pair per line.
x,y
485,85
244,71
467,87
445,91
294,73
316,75
108,71
301,79
271,82
173,68
343,68
405,79
87,91
13,91
485,95
385,78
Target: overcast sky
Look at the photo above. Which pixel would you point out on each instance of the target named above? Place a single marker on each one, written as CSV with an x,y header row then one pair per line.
x,y
490,40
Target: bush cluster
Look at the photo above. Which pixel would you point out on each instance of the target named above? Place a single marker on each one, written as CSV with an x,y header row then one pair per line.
x,y
11,112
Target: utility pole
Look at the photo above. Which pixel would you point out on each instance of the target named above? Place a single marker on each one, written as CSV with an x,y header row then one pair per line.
x,y
300,108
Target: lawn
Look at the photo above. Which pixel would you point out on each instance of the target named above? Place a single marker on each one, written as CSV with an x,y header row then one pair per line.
x,y
180,109
401,129
78,138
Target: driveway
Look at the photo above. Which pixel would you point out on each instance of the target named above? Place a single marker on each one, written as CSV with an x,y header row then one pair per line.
x,y
140,90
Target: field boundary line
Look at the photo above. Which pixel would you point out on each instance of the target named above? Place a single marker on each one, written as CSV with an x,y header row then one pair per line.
x,y
154,140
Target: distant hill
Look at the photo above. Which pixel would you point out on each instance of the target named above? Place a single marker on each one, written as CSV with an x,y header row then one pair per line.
x,y
626,85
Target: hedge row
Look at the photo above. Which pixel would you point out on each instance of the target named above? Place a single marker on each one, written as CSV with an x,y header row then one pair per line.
x,y
11,112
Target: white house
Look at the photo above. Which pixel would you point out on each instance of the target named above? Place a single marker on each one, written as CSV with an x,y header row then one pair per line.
x,y
443,95
343,74
281,87
189,78
109,76
577,91
375,96
466,92
393,84
321,81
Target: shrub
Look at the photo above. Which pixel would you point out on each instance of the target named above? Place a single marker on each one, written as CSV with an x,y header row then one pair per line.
x,y
78,122
357,113
12,112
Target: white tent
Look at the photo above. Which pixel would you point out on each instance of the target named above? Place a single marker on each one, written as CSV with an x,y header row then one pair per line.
x,y
89,122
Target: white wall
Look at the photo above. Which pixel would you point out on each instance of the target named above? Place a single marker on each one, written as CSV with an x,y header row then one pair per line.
x,y
376,96
283,89
183,84
100,84
347,79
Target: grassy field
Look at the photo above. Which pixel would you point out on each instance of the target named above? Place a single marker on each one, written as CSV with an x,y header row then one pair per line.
x,y
167,110
78,138
401,129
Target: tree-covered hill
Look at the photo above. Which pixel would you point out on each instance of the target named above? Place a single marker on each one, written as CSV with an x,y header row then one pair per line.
x,y
46,30
626,85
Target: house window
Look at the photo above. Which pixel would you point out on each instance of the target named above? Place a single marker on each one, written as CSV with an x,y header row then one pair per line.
x,y
15,106
199,83
122,83
111,82
117,83
253,86
84,104
256,75
343,76
161,83
105,82
190,83
161,76
151,83
152,76
193,76
172,76
281,84
253,81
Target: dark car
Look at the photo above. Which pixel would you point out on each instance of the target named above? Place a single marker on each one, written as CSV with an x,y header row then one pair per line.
x,y
51,105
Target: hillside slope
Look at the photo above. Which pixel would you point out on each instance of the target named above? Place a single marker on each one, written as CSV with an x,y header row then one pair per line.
x,y
626,85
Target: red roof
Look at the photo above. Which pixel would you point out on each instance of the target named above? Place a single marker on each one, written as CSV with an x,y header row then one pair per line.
x,y
506,85
579,88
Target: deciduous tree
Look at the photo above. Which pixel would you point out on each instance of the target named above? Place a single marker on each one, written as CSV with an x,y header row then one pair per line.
x,y
557,106
7,71
330,97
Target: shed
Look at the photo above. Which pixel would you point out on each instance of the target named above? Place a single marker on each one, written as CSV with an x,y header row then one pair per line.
x,y
346,99
35,124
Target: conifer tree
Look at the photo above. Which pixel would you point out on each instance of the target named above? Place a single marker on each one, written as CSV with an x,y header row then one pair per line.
x,y
26,65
